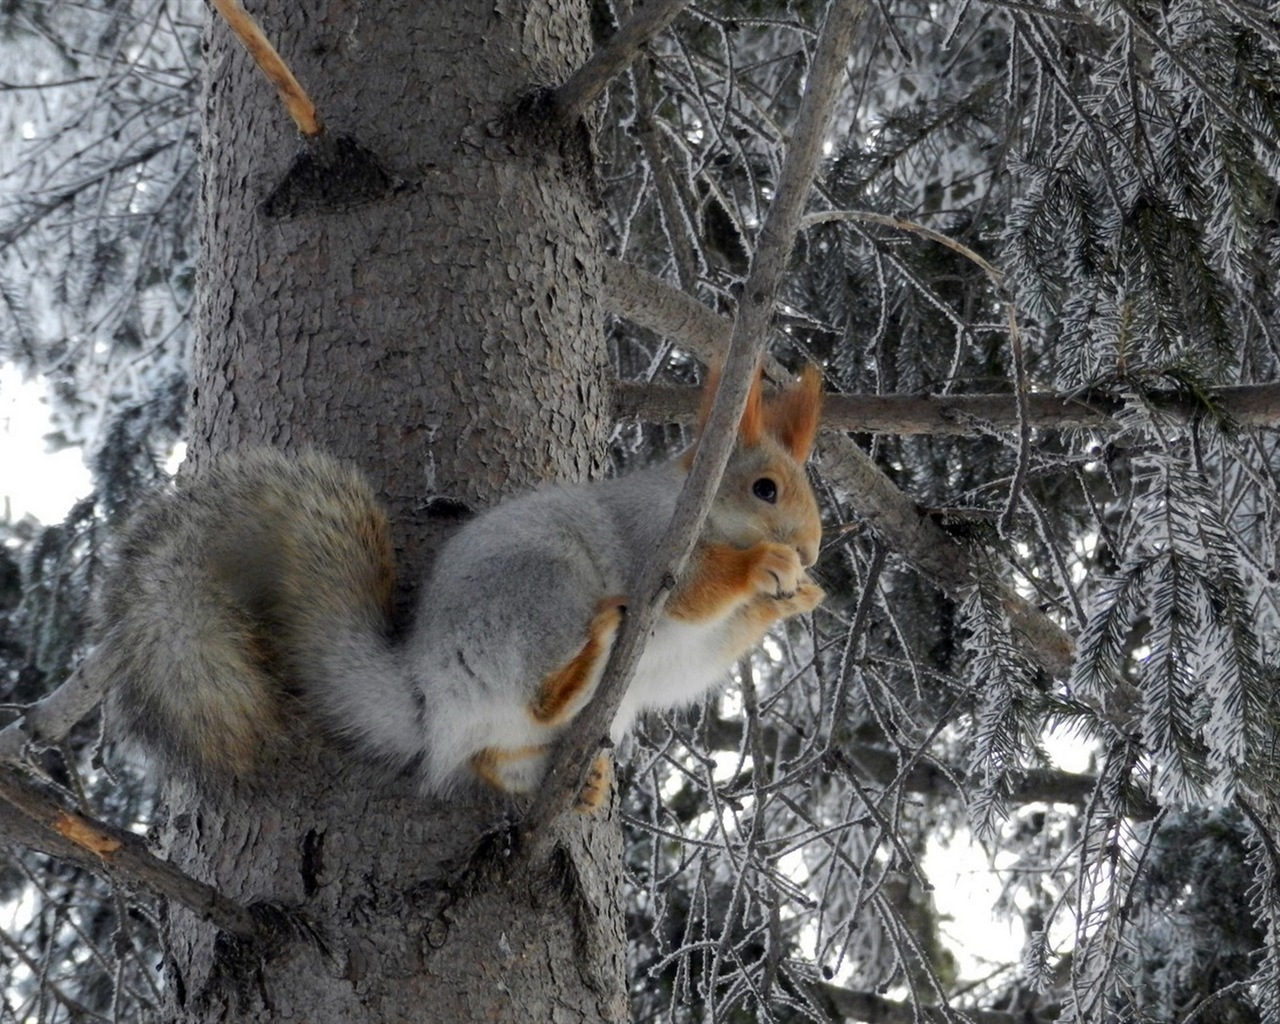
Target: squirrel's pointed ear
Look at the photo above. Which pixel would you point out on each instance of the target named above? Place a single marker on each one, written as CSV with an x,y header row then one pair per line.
x,y
793,416
752,425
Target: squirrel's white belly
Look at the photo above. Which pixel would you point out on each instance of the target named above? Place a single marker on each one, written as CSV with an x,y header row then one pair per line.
x,y
680,662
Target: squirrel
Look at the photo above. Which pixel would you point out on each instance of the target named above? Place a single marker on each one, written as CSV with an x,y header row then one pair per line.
x,y
264,585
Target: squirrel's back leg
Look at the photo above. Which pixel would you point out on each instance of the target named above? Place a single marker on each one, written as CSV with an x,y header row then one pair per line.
x,y
561,695
511,769
565,691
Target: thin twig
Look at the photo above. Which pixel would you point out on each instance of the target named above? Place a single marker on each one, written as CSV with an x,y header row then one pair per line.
x,y
1022,392
292,95
777,236
902,224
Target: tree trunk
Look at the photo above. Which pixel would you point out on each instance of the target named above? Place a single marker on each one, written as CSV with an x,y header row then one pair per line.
x,y
418,293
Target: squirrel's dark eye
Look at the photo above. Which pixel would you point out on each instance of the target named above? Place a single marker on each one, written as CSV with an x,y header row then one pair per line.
x,y
765,489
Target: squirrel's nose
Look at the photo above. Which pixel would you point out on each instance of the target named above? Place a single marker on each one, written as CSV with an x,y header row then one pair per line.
x,y
808,551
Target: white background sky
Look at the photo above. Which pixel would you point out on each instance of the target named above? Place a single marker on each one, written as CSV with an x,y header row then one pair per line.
x,y
34,480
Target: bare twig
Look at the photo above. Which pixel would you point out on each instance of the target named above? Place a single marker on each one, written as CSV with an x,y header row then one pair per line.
x,y
572,99
902,224
292,95
777,236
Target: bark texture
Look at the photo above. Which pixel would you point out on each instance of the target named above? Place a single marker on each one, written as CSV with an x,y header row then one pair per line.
x,y
417,292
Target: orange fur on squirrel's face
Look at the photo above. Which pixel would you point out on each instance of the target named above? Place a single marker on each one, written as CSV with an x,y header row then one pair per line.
x,y
775,437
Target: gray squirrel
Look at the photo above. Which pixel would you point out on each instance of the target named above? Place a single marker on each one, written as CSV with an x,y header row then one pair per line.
x,y
267,581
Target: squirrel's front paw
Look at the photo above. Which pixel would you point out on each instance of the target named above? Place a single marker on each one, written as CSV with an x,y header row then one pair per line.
x,y
806,598
778,571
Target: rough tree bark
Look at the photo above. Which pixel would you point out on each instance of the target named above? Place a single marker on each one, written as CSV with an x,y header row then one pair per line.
x,y
417,293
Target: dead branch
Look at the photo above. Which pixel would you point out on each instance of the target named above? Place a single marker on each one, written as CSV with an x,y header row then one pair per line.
x,y
292,95
581,89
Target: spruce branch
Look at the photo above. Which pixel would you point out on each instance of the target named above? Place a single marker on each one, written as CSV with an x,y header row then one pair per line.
x,y
1220,103
1248,405
12,231
577,748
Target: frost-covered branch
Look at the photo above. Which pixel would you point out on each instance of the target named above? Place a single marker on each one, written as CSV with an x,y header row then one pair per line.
x,y
845,1004
1248,405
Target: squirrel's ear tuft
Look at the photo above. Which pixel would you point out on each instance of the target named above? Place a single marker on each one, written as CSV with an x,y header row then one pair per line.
x,y
793,416
752,426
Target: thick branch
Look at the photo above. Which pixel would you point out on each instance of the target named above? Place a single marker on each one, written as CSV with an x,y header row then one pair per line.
x,y
572,99
653,304
112,852
746,344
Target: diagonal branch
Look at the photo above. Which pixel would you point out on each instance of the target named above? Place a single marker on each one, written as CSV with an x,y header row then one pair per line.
x,y
292,95
746,344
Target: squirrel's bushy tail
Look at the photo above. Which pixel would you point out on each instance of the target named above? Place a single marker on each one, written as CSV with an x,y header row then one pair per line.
x,y
266,576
